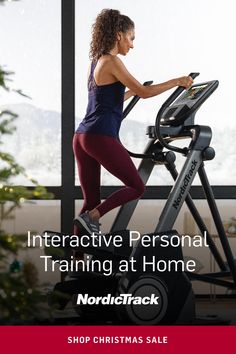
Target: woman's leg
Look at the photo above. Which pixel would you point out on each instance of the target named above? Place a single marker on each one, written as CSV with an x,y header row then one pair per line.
x,y
110,153
89,174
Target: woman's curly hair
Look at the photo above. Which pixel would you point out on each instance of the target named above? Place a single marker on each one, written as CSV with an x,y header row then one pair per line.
x,y
104,31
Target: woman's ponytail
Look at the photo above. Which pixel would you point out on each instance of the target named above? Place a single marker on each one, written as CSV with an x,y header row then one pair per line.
x,y
104,31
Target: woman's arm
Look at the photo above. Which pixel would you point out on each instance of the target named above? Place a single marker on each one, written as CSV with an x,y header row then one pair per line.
x,y
119,71
128,94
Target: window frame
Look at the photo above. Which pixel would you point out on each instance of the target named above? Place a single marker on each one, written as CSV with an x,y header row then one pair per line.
x,y
68,192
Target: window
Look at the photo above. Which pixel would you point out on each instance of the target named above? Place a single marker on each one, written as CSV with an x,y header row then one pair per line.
x,y
173,38
31,47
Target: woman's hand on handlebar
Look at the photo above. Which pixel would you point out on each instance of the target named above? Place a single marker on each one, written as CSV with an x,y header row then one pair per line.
x,y
184,81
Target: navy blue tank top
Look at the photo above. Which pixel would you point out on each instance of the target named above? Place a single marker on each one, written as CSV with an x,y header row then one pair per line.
x,y
105,107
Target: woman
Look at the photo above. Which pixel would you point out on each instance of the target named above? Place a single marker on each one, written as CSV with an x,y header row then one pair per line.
x,y
96,140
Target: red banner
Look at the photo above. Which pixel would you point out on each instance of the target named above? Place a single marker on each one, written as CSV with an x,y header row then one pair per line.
x,y
117,339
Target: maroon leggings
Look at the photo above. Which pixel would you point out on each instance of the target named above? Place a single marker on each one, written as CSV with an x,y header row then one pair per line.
x,y
92,151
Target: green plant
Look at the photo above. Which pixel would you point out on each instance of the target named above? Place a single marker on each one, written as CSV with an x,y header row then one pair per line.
x,y
20,295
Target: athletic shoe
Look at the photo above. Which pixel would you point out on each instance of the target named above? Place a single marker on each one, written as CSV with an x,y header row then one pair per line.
x,y
86,224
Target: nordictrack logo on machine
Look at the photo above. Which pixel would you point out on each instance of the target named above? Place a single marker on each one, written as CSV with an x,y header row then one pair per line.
x,y
122,299
185,184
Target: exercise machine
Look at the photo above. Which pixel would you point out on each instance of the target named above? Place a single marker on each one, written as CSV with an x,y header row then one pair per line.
x,y
173,288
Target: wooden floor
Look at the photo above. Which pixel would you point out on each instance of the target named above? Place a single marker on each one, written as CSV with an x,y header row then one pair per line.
x,y
222,308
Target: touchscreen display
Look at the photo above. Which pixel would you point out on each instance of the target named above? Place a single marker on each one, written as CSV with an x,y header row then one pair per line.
x,y
194,92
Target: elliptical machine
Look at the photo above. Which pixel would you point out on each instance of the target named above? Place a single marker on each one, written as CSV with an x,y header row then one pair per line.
x,y
173,289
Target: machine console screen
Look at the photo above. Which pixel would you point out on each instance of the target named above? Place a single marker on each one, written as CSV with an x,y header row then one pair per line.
x,y
188,103
194,92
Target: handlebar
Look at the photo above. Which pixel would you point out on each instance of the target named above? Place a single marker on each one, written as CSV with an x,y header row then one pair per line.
x,y
176,93
134,100
166,104
126,111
